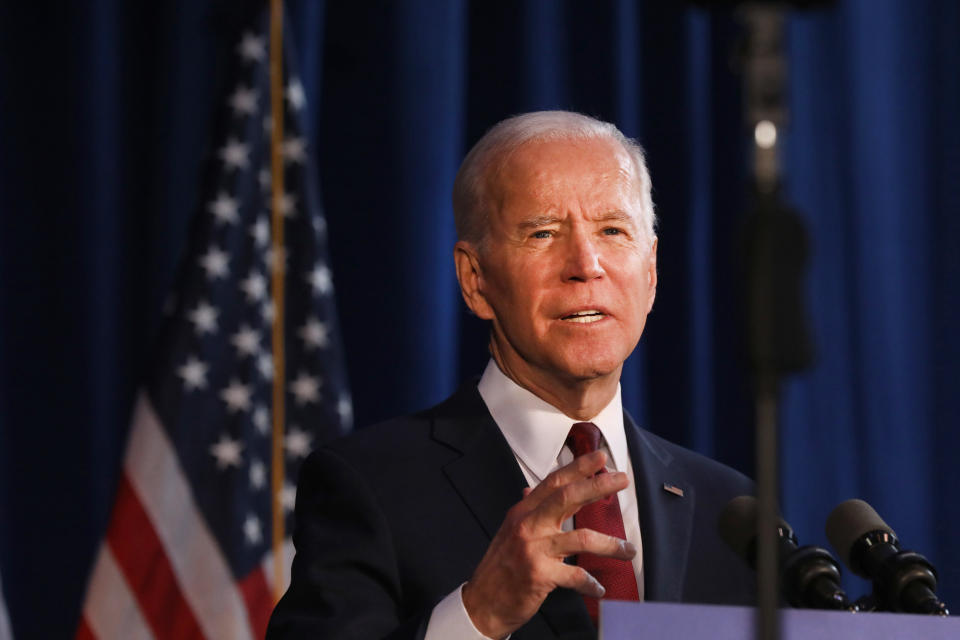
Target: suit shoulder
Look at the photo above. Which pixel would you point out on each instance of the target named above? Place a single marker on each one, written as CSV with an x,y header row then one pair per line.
x,y
403,440
705,471
383,448
387,434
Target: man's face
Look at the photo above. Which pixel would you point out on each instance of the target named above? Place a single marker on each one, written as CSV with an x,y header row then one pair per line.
x,y
567,274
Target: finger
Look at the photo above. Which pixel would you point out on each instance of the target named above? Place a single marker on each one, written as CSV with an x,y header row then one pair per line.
x,y
579,580
577,541
564,502
582,467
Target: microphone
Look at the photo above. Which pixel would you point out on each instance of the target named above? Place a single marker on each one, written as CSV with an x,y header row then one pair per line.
x,y
809,576
903,581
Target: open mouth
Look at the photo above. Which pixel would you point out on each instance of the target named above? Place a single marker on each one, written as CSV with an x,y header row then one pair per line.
x,y
585,317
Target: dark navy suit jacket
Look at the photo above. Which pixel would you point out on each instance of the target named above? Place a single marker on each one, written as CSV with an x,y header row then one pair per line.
x,y
394,517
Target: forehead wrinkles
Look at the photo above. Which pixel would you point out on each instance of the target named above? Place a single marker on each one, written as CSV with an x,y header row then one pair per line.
x,y
536,166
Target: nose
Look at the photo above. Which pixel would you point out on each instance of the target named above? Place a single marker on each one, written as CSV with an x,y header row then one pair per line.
x,y
582,259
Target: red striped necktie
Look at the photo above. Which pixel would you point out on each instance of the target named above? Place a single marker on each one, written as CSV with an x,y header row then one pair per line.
x,y
604,516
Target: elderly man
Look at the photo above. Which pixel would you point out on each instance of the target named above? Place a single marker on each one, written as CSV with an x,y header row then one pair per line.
x,y
514,505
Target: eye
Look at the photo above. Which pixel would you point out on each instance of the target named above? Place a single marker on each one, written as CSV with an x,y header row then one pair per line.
x,y
543,234
612,231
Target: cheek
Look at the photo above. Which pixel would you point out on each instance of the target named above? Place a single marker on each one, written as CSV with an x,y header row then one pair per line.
x,y
514,298
637,292
524,283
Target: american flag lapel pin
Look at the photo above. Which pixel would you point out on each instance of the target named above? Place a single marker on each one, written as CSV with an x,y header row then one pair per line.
x,y
672,488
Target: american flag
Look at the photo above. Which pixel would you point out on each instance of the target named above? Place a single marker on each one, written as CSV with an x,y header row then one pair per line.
x,y
187,552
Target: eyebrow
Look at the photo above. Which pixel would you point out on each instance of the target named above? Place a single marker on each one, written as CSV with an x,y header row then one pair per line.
x,y
616,215
538,221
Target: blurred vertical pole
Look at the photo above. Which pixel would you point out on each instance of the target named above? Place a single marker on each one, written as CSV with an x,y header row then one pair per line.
x,y
276,289
764,74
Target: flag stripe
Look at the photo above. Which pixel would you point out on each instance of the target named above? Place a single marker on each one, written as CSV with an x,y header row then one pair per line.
x,y
259,598
111,612
267,564
5,632
154,471
140,555
83,631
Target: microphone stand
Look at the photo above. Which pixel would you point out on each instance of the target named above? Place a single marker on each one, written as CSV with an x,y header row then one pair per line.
x,y
775,252
778,341
768,578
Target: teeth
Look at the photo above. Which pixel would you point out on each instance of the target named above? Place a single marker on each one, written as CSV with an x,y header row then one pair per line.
x,y
585,317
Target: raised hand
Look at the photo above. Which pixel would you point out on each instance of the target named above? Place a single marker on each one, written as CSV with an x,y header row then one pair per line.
x,y
524,562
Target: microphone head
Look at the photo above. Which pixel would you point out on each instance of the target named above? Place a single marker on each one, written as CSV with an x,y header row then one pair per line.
x,y
738,525
850,521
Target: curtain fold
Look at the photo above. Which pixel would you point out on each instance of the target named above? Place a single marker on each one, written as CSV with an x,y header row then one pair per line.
x,y
868,132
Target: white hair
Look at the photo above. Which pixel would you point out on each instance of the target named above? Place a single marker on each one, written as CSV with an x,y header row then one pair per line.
x,y
470,197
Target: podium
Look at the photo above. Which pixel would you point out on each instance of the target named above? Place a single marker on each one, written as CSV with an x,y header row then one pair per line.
x,y
657,620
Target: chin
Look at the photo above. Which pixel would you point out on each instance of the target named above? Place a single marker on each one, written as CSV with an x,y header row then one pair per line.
x,y
598,360
591,366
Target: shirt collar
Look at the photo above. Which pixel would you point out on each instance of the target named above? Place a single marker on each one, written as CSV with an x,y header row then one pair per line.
x,y
536,430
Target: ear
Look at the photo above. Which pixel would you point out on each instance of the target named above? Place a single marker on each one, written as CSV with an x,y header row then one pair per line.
x,y
652,275
466,259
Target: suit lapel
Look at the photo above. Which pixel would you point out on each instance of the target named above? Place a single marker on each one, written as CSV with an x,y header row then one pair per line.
x,y
486,475
488,479
666,518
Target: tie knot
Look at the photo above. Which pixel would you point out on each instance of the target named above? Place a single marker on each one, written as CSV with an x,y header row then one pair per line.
x,y
584,438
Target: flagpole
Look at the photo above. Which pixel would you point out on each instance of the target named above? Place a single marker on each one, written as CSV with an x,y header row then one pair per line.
x,y
276,288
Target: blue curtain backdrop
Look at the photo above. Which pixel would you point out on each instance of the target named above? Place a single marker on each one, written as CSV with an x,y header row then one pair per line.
x,y
106,108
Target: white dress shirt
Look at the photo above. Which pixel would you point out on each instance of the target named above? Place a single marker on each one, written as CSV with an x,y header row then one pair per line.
x,y
536,432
